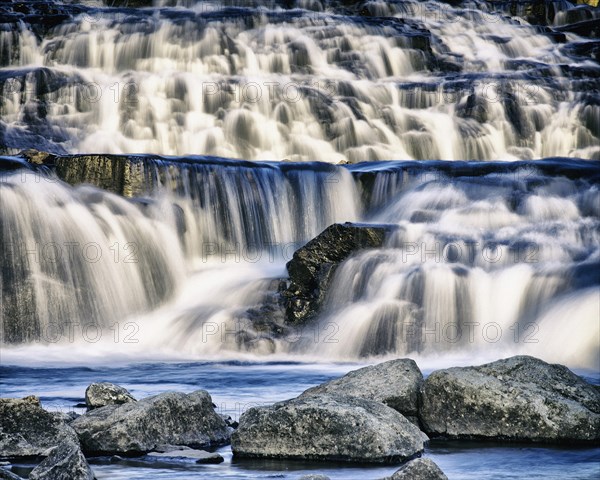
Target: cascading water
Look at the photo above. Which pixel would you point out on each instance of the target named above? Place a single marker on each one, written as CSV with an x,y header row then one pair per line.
x,y
84,256
297,80
476,264
481,262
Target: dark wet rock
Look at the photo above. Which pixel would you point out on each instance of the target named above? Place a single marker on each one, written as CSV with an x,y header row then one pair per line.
x,y
230,422
27,430
8,475
128,3
327,427
312,266
139,427
104,393
66,462
117,174
587,28
589,49
395,383
519,398
419,469
475,107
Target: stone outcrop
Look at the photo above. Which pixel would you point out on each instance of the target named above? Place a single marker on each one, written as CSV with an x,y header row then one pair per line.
x,y
419,469
103,393
313,265
66,462
327,427
395,383
138,427
519,398
27,430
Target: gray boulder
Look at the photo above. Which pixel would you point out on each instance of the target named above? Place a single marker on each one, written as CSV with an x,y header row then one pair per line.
x,y
327,427
518,398
66,462
395,383
138,427
27,430
419,469
312,266
104,393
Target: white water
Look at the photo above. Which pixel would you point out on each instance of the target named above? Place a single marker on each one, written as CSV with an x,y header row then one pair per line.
x,y
478,268
302,84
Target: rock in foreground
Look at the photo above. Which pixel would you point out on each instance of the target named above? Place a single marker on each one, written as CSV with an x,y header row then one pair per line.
x,y
103,393
27,430
419,469
519,398
139,427
312,266
327,427
395,383
66,462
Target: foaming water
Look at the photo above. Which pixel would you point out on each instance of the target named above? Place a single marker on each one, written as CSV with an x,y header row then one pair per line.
x,y
476,266
300,80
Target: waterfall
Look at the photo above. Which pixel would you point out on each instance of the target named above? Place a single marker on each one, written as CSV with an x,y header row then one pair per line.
x,y
298,80
193,146
477,262
82,256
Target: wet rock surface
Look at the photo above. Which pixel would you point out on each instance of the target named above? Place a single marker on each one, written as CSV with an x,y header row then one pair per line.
x,y
419,469
27,430
138,427
103,393
395,383
519,398
327,427
313,265
66,462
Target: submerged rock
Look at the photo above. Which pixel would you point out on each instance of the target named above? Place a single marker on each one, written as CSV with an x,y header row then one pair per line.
x,y
27,430
66,462
139,427
312,266
518,398
104,393
419,469
199,456
395,383
327,427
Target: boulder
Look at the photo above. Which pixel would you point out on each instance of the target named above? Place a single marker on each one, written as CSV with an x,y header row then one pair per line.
x,y
27,430
312,266
138,427
395,383
66,462
518,398
104,393
327,427
419,469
